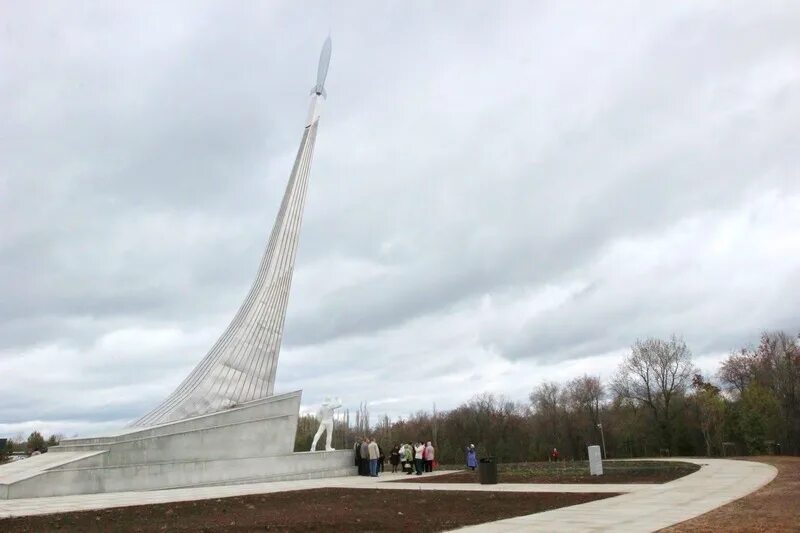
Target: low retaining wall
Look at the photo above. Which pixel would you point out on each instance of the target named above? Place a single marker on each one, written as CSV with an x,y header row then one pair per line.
x,y
88,480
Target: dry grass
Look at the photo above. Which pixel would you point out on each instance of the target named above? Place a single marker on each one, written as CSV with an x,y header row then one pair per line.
x,y
573,472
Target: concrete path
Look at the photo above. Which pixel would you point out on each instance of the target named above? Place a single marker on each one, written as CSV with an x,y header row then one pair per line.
x,y
718,482
642,507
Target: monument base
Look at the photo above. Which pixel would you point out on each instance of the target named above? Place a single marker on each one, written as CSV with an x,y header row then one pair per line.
x,y
249,443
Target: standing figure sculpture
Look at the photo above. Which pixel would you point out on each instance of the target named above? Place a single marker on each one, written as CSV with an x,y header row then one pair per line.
x,y
326,423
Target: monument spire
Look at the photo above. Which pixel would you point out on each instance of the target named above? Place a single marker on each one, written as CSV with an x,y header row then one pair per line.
x,y
322,68
241,365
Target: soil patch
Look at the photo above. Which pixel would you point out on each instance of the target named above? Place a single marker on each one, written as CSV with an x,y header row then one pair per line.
x,y
774,507
572,472
356,510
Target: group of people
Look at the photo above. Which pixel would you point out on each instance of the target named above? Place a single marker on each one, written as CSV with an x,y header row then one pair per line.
x,y
410,457
369,457
413,457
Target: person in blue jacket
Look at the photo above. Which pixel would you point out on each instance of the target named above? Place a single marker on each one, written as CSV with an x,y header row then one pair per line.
x,y
472,458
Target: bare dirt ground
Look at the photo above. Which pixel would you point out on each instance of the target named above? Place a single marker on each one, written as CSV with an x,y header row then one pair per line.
x,y
774,507
340,510
572,472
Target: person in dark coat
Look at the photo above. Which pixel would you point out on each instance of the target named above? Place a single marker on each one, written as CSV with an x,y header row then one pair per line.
x,y
394,458
357,450
364,457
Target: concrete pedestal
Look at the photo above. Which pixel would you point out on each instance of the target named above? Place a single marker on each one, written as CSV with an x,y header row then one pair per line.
x,y
248,443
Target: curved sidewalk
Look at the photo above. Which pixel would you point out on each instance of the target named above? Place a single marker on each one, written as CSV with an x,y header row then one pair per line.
x,y
719,481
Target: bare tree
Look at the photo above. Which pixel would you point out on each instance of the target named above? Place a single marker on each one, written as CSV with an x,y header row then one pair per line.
x,y
737,370
362,419
384,430
435,426
585,394
710,410
547,401
777,369
584,398
654,373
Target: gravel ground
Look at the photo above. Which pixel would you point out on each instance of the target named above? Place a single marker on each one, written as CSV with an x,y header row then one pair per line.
x,y
340,510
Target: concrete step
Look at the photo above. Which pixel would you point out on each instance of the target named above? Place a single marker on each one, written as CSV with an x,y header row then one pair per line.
x,y
320,474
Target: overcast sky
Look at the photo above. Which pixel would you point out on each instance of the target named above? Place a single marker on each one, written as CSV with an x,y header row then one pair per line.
x,y
501,193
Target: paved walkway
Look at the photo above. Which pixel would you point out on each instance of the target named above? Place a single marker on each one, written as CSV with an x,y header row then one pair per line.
x,y
718,482
642,507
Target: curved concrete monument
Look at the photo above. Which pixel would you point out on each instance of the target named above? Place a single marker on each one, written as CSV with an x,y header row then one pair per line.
x,y
241,366
222,424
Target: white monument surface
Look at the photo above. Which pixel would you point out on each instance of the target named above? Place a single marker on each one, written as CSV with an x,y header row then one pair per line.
x,y
595,461
326,423
223,424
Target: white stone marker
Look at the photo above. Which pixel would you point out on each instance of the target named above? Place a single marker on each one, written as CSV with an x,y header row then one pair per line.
x,y
595,461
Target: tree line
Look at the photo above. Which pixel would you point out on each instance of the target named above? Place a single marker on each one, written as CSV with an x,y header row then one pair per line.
x,y
657,403
34,443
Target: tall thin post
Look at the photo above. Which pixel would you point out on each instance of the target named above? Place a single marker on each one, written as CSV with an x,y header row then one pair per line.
x,y
603,439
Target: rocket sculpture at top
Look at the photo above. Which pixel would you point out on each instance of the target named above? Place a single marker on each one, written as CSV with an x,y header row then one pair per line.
x,y
241,365
322,69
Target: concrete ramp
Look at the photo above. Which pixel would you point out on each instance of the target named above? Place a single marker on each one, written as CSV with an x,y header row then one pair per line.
x,y
38,465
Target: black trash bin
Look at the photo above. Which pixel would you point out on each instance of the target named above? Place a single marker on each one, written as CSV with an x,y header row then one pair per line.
x,y
487,471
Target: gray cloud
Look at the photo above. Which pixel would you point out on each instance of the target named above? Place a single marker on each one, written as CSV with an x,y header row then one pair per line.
x,y
518,187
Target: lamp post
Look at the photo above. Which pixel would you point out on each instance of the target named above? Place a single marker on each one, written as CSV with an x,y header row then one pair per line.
x,y
603,438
